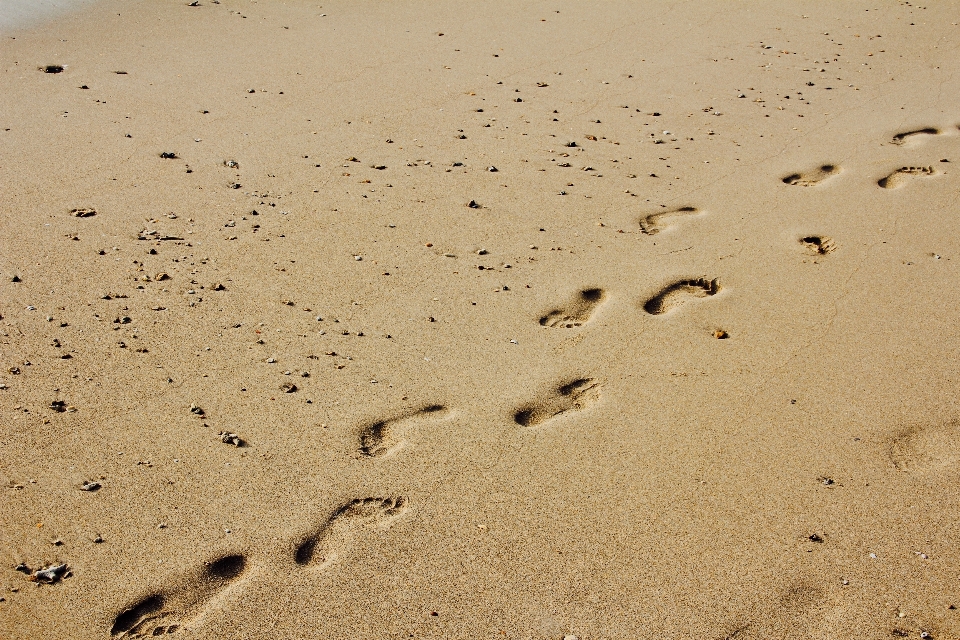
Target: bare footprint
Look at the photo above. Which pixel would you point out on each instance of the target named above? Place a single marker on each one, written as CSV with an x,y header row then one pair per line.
x,y
813,177
901,175
676,294
172,610
321,547
800,611
903,137
654,223
571,396
819,245
389,436
577,311
927,448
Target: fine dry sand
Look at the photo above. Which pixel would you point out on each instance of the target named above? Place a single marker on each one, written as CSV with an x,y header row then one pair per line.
x,y
480,320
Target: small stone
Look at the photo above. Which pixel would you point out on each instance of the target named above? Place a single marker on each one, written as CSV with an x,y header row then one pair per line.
x,y
227,437
90,485
288,387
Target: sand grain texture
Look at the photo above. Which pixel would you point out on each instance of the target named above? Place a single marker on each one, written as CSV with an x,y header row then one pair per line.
x,y
393,320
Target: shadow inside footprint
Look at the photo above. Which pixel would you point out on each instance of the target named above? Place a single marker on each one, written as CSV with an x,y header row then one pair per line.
x,y
571,396
813,177
675,295
577,311
820,245
901,175
901,138
166,612
655,223
321,547
388,436
137,613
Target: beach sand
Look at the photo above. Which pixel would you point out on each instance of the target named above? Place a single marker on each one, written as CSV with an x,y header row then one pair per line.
x,y
453,320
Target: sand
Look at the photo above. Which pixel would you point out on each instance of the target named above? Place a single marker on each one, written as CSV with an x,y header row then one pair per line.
x,y
453,320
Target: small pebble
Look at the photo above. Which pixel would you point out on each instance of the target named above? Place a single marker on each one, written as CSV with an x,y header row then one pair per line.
x,y
230,438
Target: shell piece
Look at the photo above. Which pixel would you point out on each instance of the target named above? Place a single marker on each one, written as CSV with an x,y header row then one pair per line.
x,y
49,575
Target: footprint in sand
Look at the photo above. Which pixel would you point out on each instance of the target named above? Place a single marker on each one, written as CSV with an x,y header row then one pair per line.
x,y
577,311
927,448
677,293
656,222
813,177
800,611
819,245
321,547
905,136
571,396
389,436
899,177
175,609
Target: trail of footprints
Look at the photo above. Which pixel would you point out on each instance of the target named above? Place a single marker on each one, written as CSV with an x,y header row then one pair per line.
x,y
165,612
901,176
